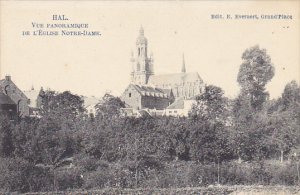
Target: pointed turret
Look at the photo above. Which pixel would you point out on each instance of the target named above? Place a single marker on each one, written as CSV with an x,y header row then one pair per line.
x,y
183,70
141,31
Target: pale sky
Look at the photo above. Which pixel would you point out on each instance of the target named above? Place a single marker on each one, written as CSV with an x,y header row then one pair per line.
x,y
94,65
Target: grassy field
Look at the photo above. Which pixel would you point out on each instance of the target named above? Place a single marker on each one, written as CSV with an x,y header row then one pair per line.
x,y
211,190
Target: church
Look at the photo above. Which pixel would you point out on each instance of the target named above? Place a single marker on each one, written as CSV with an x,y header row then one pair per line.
x,y
151,91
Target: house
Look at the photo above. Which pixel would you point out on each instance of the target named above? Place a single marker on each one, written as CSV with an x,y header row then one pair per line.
x,y
181,107
10,89
7,106
90,103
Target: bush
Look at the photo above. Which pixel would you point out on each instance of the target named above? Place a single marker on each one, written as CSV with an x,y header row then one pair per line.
x,y
68,178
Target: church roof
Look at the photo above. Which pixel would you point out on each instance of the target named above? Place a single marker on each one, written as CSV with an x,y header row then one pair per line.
x,y
5,99
174,79
152,91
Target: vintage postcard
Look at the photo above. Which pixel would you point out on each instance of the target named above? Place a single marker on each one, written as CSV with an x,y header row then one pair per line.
x,y
142,97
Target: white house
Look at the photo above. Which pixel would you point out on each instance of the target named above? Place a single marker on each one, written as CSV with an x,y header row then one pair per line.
x,y
181,107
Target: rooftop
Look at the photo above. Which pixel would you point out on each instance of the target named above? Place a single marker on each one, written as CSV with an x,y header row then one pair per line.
x,y
178,104
152,91
175,79
5,99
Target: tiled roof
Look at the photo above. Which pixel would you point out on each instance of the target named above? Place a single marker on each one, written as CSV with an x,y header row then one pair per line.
x,y
178,104
10,82
152,91
5,99
167,91
174,79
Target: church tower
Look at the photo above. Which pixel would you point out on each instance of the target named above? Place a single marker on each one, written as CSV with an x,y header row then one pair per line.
x,y
142,65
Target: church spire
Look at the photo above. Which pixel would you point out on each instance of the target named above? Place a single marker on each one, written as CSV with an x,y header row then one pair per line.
x,y
141,31
183,64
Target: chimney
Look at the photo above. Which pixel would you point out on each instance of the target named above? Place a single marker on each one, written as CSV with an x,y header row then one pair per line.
x,y
8,77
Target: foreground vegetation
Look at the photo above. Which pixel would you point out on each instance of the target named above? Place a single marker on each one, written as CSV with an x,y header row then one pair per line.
x,y
212,190
250,140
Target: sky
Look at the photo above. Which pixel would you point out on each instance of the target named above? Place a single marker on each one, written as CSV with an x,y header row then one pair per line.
x,y
98,64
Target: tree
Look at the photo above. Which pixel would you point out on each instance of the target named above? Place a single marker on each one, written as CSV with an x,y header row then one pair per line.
x,y
291,96
26,137
6,141
63,104
47,141
211,105
109,107
284,120
255,72
249,120
210,118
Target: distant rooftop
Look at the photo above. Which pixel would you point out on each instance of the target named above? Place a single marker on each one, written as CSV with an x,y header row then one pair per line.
x,y
152,91
178,104
174,79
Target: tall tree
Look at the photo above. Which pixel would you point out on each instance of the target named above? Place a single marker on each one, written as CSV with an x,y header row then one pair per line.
x,y
210,118
255,72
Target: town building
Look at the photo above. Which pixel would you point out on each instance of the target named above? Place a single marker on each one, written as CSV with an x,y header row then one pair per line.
x,y
7,106
11,91
142,97
181,107
90,104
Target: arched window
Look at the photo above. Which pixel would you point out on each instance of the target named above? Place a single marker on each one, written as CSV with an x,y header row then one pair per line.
x,y
139,51
6,89
19,107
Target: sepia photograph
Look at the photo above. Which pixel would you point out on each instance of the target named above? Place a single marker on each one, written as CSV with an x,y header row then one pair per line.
x,y
150,97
